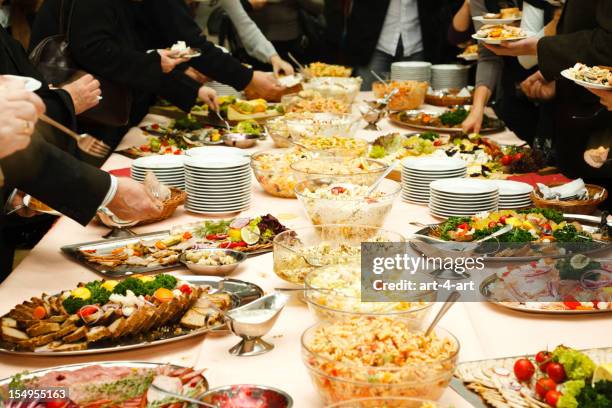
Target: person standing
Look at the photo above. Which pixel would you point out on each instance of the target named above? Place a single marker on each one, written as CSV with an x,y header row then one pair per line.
x,y
385,31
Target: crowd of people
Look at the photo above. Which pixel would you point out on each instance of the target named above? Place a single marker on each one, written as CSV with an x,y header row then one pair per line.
x,y
106,46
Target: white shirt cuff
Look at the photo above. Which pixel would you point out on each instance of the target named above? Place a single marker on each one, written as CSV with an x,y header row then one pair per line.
x,y
112,190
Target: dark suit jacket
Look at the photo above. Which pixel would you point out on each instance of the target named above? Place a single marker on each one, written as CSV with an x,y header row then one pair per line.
x,y
161,23
105,39
14,61
584,35
63,182
367,17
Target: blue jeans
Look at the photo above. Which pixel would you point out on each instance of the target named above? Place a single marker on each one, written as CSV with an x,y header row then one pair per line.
x,y
381,64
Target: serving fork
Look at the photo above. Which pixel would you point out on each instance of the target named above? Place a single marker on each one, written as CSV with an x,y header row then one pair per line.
x,y
86,143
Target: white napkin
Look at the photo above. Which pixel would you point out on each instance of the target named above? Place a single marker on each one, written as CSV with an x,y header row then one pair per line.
x,y
464,93
572,189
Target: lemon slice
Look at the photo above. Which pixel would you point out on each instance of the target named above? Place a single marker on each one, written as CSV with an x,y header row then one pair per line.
x,y
579,261
250,235
603,373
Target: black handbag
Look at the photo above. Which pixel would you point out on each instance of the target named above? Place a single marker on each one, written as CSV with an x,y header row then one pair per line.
x,y
52,58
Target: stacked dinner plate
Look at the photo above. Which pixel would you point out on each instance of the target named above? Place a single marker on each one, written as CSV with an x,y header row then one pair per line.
x,y
419,172
212,151
167,168
217,184
462,196
411,70
449,76
513,194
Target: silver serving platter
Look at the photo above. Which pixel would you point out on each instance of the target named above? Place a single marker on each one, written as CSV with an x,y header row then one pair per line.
x,y
486,288
395,118
106,246
447,247
241,292
73,367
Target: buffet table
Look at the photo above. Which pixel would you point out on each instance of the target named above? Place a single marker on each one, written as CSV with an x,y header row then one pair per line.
x,y
484,330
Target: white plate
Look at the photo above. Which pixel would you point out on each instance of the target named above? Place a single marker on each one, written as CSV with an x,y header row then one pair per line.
x,y
159,162
216,162
497,42
453,213
435,165
567,74
464,186
219,213
222,207
30,84
509,187
219,204
495,21
449,203
215,151
227,185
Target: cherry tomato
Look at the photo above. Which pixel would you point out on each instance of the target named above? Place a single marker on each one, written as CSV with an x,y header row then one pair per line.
x,y
503,219
437,142
178,152
523,369
165,143
571,303
185,289
492,224
543,359
556,372
543,385
39,313
465,226
517,156
552,397
155,126
506,160
547,227
87,310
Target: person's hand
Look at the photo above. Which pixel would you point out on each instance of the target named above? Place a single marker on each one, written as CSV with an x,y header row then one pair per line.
x,y
605,97
209,96
528,46
17,202
281,66
258,4
473,122
19,111
263,84
169,60
196,75
85,93
538,88
134,202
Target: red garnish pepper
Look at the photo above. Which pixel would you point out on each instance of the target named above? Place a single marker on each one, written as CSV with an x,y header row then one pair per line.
x,y
87,310
230,245
571,303
216,237
437,142
155,126
187,235
185,289
338,190
465,226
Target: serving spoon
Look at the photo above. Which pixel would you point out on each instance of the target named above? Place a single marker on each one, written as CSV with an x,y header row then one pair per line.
x,y
452,298
183,397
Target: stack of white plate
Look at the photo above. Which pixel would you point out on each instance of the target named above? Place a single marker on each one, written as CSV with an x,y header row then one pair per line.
x,y
419,172
411,70
167,168
462,196
223,90
217,184
513,194
449,76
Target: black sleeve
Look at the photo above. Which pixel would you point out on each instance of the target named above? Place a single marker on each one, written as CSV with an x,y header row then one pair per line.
x,y
46,22
590,47
94,46
179,89
179,25
63,182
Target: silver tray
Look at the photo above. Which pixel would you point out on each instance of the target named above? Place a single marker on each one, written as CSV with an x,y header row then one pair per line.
x,y
435,249
72,367
496,127
241,292
106,246
487,285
